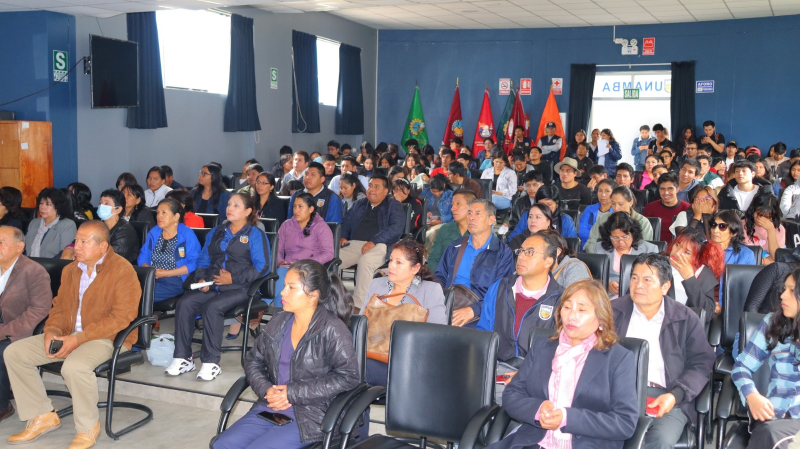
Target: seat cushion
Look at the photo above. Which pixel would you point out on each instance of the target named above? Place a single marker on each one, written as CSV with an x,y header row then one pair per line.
x,y
258,306
381,442
165,305
125,360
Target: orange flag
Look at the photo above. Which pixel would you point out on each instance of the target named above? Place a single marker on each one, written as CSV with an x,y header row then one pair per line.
x,y
550,114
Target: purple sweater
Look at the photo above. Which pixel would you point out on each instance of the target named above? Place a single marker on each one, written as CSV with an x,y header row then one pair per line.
x,y
293,245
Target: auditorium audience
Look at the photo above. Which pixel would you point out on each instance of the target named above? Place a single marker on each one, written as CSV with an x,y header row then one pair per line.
x,y
562,223
533,180
172,248
210,195
653,192
49,234
304,236
640,153
243,182
368,229
169,179
350,190
706,177
283,167
328,205
349,165
568,268
135,209
579,391
476,261
668,206
300,362
439,197
93,305
680,357
10,212
625,177
603,207
613,155
157,187
459,175
235,254
26,300
456,229
620,235
504,181
540,218
409,281
190,219
252,171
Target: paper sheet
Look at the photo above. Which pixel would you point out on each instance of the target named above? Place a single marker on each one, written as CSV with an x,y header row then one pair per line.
x,y
602,147
200,285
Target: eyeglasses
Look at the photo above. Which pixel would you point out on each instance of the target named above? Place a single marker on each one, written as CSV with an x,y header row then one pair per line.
x,y
722,226
204,173
262,183
625,237
528,252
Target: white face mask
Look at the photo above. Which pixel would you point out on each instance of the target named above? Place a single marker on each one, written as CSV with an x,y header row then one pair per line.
x,y
104,211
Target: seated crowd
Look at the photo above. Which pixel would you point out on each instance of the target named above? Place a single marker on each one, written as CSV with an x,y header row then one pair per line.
x,y
504,240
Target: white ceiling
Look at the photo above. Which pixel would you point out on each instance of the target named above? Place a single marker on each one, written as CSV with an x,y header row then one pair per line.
x,y
450,14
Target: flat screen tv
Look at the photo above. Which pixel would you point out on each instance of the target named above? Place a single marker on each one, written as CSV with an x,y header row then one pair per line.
x,y
115,72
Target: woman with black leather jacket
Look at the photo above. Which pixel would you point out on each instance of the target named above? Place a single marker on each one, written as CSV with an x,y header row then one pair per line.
x,y
299,363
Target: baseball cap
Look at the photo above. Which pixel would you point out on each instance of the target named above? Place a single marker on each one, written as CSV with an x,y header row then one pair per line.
x,y
753,150
550,125
733,144
567,161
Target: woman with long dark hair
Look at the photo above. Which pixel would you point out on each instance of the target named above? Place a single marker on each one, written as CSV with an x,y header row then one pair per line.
x,y
351,190
135,209
561,222
603,207
568,268
613,154
647,176
302,359
83,196
762,226
540,218
210,195
790,198
686,136
10,207
268,205
572,148
125,179
697,266
774,415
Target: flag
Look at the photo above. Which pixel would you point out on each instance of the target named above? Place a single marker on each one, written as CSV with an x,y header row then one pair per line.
x,y
502,125
415,123
518,118
454,126
485,126
550,114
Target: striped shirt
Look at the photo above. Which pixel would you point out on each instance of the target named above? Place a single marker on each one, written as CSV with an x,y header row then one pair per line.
x,y
86,281
784,372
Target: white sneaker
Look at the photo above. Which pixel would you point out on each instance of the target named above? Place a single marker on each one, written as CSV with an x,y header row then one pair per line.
x,y
179,366
209,371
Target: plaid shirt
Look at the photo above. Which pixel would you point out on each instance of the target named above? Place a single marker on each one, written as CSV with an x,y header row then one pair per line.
x,y
784,375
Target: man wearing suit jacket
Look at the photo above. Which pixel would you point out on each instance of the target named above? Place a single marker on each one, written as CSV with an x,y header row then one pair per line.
x,y
25,300
680,357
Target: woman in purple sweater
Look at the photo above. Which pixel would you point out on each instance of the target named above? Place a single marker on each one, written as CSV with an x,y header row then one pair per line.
x,y
304,236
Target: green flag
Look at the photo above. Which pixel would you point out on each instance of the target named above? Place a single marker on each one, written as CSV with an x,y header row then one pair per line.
x,y
504,119
415,124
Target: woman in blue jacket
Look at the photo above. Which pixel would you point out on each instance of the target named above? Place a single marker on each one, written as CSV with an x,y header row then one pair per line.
x,y
610,159
591,213
210,195
171,248
561,222
440,199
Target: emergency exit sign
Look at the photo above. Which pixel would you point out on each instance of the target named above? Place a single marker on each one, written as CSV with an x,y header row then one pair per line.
x,y
60,59
630,94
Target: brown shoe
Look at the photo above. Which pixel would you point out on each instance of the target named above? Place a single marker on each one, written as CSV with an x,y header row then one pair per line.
x,y
9,411
36,427
85,440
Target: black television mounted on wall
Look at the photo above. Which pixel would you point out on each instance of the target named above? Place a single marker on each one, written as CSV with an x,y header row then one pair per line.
x,y
114,72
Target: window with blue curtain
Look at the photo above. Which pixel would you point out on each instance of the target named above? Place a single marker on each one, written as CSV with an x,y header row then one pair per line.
x,y
241,110
305,90
152,110
350,101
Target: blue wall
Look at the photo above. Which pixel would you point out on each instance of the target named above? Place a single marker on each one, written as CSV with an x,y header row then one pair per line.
x,y
754,63
27,41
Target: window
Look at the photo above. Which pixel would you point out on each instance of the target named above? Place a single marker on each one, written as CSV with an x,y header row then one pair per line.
x,y
328,71
195,50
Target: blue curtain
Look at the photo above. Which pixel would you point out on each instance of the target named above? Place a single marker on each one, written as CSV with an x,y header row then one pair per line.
x,y
152,111
305,90
681,99
581,90
350,99
241,111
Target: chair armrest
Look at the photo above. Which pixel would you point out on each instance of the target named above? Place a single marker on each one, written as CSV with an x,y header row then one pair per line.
x,y
726,398
703,402
499,427
357,408
233,394
724,363
256,285
715,331
469,438
39,329
141,321
333,265
338,405
637,440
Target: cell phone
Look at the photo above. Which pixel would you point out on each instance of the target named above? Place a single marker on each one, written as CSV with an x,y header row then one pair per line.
x,y
501,379
346,245
275,418
55,346
651,411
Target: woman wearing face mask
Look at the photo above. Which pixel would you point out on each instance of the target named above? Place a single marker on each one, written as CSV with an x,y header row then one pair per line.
x,y
171,248
540,218
620,235
697,266
49,234
122,236
622,200
603,207
774,415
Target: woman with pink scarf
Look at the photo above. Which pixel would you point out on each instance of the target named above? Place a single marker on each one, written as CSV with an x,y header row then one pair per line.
x,y
560,404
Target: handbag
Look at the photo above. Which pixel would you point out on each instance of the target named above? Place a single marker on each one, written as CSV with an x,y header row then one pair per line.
x,y
380,317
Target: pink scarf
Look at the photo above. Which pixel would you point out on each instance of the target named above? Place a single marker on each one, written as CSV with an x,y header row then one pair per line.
x,y
567,367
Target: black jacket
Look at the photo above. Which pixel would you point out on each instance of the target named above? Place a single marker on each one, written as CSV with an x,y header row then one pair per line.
x,y
324,365
727,200
765,291
391,220
144,214
700,291
274,208
124,240
688,358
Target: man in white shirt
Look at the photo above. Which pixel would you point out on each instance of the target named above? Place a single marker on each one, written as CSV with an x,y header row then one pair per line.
x,y
739,194
680,359
349,165
300,162
156,187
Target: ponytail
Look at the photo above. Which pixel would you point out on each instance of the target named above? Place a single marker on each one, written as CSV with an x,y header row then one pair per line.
x,y
333,296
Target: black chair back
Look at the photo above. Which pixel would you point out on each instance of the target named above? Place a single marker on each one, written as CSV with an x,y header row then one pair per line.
x,y
336,230
582,207
661,245
155,215
30,212
570,205
792,229
539,332
201,234
574,243
574,214
736,285
449,300
599,265
655,223
270,225
453,375
701,313
758,251
625,270
209,220
486,186
54,268
26,222
285,201
147,280
358,327
268,288
407,210
422,232
641,353
142,229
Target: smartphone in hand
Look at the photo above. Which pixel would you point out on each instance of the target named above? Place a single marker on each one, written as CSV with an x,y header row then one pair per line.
x,y
55,346
275,418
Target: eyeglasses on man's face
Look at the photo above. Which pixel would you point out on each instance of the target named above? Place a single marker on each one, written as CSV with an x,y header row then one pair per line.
x,y
528,252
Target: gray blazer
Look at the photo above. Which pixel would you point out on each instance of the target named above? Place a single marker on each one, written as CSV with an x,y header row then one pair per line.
x,y
644,247
55,240
429,294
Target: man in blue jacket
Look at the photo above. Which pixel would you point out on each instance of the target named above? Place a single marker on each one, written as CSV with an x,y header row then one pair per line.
x,y
369,228
328,204
475,261
641,147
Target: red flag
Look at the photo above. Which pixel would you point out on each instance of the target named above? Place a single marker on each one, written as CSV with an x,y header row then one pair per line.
x,y
454,126
550,114
518,118
485,126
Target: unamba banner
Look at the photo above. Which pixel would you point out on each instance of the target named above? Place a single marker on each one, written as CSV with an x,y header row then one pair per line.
x,y
454,126
485,126
415,124
550,114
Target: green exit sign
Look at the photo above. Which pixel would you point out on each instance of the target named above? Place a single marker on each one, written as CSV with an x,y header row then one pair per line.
x,y
631,94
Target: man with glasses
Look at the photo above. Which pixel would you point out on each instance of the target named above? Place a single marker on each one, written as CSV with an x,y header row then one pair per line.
x,y
369,227
475,261
327,204
668,206
534,295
